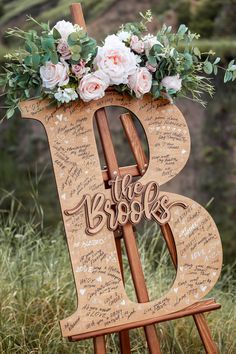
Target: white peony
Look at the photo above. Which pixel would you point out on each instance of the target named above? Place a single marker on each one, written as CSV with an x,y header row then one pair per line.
x,y
172,82
149,41
116,60
65,28
54,74
92,86
124,36
65,95
140,82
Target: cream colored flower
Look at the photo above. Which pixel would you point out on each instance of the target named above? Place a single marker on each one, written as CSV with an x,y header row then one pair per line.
x,y
54,74
65,95
116,60
172,82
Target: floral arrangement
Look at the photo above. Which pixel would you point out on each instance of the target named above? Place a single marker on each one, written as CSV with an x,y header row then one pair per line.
x,y
65,64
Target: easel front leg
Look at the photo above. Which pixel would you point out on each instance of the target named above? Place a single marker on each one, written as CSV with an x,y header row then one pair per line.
x,y
99,345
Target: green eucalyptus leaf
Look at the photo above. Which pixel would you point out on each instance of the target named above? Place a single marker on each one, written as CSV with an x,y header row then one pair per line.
x,y
10,112
231,63
76,49
152,60
48,43
36,60
54,57
232,68
215,69
73,38
31,47
188,61
207,67
46,58
76,57
56,34
217,60
28,60
182,29
197,52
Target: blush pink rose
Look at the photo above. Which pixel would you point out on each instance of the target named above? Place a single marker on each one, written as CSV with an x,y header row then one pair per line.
x,y
136,44
140,82
64,49
54,74
92,86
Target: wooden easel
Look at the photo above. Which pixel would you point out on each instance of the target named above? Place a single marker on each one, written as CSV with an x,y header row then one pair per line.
x,y
128,235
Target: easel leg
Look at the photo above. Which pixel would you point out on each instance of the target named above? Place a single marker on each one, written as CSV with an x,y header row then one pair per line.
x,y
128,234
205,334
99,345
123,335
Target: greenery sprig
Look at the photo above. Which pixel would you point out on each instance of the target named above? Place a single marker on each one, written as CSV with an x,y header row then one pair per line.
x,y
170,62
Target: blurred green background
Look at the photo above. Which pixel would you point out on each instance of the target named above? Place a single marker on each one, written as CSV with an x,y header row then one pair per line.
x,y
25,166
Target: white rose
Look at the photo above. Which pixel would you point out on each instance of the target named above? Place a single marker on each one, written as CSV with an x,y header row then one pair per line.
x,y
124,36
65,28
92,86
54,74
140,82
172,82
136,44
116,60
149,41
66,95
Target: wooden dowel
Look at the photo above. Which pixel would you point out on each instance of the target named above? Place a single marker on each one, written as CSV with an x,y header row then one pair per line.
x,y
134,142
128,234
77,15
78,18
99,345
141,160
124,170
197,308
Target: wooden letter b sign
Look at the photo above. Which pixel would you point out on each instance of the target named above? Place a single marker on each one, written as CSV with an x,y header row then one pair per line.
x,y
91,212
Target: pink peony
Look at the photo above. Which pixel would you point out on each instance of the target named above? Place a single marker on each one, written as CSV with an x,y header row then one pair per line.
x,y
116,60
140,82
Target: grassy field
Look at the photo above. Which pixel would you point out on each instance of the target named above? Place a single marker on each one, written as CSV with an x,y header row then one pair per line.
x,y
37,290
